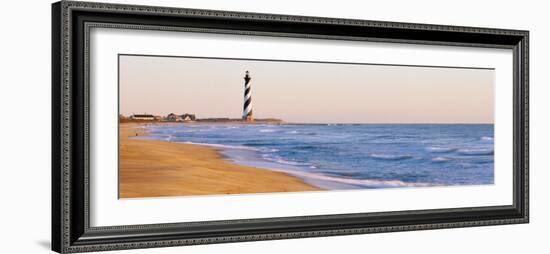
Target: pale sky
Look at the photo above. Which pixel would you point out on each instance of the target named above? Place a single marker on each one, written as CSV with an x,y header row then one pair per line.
x,y
305,92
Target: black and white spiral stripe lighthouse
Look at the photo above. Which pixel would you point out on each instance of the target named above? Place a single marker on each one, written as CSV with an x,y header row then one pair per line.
x,y
247,110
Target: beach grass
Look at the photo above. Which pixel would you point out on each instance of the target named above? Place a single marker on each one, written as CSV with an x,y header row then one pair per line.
x,y
152,168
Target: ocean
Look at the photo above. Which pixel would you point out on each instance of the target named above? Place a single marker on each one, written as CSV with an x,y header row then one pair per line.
x,y
352,156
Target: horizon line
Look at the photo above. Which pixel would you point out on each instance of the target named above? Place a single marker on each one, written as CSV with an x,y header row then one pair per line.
x,y
285,122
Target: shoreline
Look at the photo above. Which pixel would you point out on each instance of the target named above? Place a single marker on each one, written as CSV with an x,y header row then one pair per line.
x,y
153,168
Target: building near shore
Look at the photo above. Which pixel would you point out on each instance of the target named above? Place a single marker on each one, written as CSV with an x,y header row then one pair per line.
x,y
143,117
180,118
188,117
173,118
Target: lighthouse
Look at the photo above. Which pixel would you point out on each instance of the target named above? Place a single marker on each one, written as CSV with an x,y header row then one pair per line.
x,y
247,109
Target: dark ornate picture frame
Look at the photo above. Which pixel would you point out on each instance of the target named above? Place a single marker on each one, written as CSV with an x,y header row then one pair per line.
x,y
71,22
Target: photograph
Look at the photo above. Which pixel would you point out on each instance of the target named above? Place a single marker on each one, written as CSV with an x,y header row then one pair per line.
x,y
213,126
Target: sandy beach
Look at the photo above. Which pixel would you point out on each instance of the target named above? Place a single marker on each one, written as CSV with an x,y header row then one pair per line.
x,y
150,168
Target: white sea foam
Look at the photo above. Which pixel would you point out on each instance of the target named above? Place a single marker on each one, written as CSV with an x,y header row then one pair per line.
x,y
163,137
267,130
368,183
475,151
440,159
223,146
487,138
286,162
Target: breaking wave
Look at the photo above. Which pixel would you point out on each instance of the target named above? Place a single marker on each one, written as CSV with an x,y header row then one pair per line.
x,y
367,183
475,152
390,157
440,159
223,146
267,130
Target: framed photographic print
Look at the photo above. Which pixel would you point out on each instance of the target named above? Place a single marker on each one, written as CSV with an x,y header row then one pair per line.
x,y
181,126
